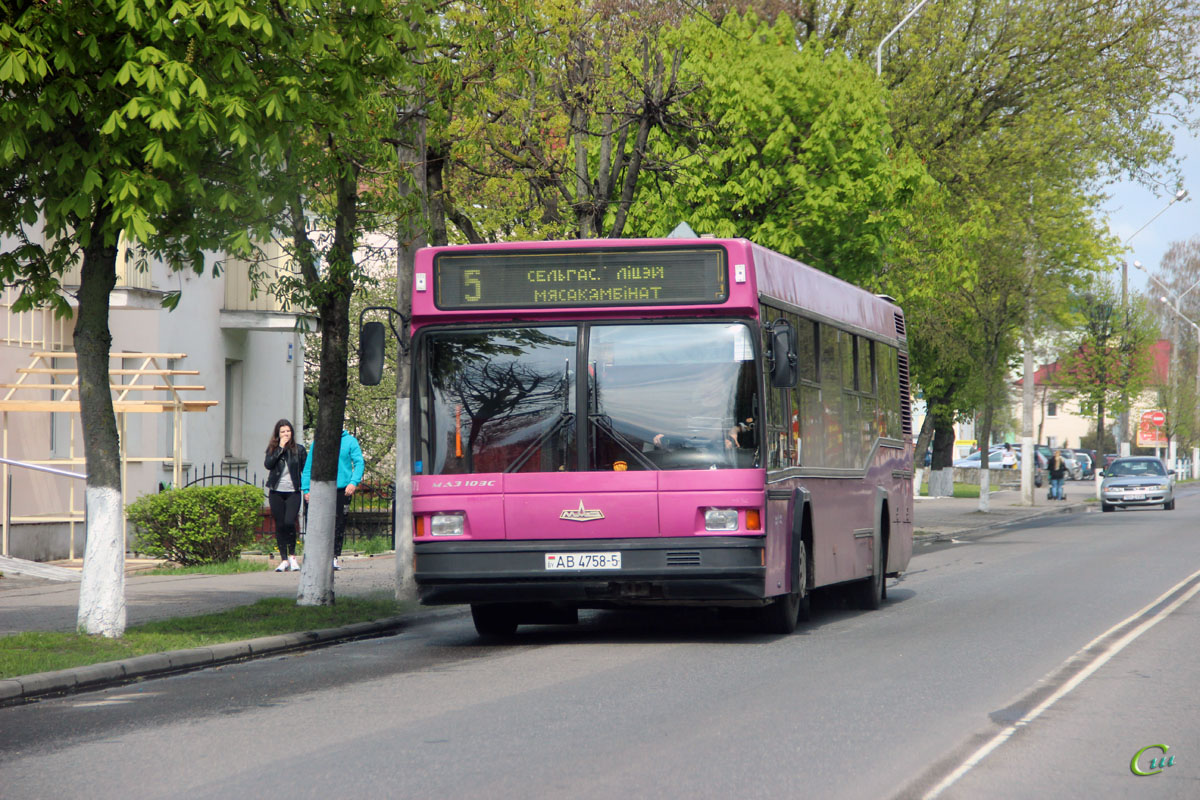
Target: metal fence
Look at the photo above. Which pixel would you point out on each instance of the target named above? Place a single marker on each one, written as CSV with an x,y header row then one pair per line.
x,y
371,513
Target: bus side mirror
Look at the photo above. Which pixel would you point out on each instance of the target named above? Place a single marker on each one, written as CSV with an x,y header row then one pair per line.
x,y
370,353
781,355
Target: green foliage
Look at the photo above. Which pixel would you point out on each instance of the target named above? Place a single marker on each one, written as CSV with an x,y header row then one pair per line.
x,y
788,146
197,525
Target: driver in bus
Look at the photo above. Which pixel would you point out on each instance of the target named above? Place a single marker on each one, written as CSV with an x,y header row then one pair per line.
x,y
740,436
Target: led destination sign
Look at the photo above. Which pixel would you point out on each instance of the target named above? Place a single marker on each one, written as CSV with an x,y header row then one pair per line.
x,y
538,279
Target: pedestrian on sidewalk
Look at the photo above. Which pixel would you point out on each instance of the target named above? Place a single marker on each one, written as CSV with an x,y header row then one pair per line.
x,y
1058,471
1008,459
350,471
286,459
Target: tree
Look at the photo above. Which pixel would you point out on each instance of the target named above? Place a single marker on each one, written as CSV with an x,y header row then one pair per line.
x,y
344,63
1109,356
135,120
789,147
548,136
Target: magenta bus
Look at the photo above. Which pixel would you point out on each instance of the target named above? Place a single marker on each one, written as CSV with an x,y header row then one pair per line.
x,y
606,423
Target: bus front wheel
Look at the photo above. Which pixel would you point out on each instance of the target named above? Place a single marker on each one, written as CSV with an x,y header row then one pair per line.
x,y
785,611
493,619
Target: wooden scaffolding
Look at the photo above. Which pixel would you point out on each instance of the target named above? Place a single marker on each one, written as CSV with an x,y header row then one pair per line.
x,y
138,379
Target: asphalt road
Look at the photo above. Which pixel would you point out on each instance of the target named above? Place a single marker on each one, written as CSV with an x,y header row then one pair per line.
x,y
1034,661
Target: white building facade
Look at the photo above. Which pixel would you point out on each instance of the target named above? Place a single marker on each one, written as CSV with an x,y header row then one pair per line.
x,y
241,358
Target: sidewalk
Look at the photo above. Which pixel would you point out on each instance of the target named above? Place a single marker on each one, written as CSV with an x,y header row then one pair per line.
x,y
41,597
941,518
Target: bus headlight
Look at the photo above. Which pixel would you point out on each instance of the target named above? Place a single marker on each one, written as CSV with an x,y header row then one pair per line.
x,y
446,525
720,519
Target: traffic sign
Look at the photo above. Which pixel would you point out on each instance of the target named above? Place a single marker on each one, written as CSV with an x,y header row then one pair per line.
x,y
1156,418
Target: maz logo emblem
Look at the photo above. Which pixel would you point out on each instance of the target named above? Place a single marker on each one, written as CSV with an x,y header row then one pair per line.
x,y
581,514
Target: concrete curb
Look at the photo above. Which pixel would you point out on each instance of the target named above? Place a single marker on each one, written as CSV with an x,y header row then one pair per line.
x,y
25,688
1070,508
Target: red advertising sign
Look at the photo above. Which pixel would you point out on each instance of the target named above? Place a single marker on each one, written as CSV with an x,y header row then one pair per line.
x,y
1150,432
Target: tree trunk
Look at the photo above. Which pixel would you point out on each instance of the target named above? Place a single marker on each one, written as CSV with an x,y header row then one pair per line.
x,y
435,169
316,576
923,439
985,460
941,466
102,588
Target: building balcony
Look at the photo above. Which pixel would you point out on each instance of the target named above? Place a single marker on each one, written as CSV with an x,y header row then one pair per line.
x,y
250,302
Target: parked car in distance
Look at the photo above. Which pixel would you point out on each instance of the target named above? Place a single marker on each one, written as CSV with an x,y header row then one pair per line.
x,y
994,462
1085,464
1137,481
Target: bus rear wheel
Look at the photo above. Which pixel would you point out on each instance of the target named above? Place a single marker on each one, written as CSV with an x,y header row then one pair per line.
x,y
493,619
870,591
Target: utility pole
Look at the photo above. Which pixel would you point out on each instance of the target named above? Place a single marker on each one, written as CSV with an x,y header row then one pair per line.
x,y
1027,455
410,237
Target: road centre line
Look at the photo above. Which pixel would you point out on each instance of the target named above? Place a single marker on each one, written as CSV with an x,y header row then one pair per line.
x,y
1100,660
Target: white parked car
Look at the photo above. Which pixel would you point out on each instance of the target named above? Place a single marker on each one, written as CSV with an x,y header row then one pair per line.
x,y
995,461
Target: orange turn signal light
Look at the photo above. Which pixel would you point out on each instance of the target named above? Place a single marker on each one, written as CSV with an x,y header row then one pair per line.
x,y
420,525
753,521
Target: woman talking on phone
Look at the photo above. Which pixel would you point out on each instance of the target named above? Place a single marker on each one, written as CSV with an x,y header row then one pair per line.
x,y
285,459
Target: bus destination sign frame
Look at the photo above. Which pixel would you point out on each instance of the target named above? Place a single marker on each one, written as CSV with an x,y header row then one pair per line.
x,y
580,278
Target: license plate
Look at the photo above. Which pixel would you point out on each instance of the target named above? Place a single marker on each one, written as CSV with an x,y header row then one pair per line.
x,y
579,561
1135,496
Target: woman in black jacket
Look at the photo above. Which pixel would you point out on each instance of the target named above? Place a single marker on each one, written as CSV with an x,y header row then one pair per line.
x,y
285,460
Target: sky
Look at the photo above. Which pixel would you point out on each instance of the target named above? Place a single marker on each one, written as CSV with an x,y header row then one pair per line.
x,y
1132,206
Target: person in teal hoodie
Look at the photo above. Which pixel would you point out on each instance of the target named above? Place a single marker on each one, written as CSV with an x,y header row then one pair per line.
x,y
350,472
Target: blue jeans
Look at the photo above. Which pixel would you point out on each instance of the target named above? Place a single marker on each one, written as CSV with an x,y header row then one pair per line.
x,y
1056,488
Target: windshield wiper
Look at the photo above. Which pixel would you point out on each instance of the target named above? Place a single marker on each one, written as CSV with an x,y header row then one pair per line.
x,y
564,418
603,423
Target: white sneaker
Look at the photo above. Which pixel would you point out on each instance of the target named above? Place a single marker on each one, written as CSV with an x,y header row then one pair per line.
x,y
293,563
283,567
336,565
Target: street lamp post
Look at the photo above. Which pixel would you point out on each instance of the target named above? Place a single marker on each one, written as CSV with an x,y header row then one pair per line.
x,y
1123,424
891,33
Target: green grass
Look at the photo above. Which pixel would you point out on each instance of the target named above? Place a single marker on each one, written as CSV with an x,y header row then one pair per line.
x,y
27,653
369,547
230,567
960,490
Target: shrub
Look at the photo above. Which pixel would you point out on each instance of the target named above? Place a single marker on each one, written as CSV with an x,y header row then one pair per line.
x,y
197,525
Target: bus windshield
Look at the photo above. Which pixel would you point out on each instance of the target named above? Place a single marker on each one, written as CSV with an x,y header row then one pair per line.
x,y
658,396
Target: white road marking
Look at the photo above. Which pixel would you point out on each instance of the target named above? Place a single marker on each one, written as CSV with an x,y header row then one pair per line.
x,y
115,700
1099,661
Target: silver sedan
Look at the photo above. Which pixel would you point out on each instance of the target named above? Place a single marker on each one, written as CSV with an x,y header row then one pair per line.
x,y
1137,481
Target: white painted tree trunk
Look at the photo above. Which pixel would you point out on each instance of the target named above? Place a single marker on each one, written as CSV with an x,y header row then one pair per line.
x,y
102,588
316,574
941,483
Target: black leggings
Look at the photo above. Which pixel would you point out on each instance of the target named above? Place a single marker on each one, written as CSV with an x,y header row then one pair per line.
x,y
285,508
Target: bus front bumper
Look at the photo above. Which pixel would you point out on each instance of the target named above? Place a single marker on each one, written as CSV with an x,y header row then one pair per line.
x,y
717,569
